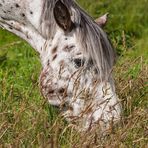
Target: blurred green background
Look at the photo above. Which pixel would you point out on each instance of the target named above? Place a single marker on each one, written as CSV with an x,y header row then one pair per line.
x,y
26,120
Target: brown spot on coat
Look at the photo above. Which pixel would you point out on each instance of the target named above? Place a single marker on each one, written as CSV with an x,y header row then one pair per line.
x,y
62,63
79,53
22,14
54,50
54,57
68,48
17,5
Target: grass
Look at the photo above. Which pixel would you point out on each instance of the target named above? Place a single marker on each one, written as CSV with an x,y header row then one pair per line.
x,y
27,120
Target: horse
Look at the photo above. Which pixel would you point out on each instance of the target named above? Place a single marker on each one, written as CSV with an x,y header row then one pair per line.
x,y
76,55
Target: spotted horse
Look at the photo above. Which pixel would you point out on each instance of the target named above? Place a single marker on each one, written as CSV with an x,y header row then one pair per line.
x,y
76,55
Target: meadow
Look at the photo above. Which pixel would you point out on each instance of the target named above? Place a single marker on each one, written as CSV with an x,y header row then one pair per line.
x,y
26,118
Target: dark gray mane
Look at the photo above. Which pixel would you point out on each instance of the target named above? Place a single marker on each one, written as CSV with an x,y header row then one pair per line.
x,y
90,37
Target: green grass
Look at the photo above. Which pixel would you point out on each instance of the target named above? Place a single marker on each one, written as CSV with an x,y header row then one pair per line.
x,y
27,120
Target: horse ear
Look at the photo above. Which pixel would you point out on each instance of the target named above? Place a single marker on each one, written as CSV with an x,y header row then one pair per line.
x,y
101,21
62,16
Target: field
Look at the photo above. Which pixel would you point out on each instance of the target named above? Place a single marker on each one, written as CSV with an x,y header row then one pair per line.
x,y
27,120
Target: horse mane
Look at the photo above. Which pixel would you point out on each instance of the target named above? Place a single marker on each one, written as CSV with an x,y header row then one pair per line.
x,y
90,36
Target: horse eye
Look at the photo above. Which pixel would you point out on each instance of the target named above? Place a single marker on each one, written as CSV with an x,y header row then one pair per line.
x,y
79,62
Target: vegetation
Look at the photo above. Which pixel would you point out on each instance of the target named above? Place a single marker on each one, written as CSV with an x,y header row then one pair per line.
x,y
27,120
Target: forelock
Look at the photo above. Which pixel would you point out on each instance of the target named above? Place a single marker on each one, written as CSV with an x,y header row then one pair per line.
x,y
91,39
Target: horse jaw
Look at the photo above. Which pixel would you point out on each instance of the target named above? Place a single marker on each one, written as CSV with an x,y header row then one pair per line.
x,y
23,19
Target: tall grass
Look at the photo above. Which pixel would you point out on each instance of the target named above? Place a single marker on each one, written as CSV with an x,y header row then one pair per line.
x,y
27,120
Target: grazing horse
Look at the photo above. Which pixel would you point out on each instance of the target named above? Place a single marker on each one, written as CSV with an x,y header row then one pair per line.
x,y
77,58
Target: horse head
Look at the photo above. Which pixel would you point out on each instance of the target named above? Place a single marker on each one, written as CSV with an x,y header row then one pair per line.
x,y
76,54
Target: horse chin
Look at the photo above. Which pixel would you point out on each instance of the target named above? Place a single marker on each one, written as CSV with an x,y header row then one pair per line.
x,y
100,113
88,122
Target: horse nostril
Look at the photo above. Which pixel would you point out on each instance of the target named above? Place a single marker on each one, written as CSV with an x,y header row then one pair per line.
x,y
50,91
79,62
61,90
